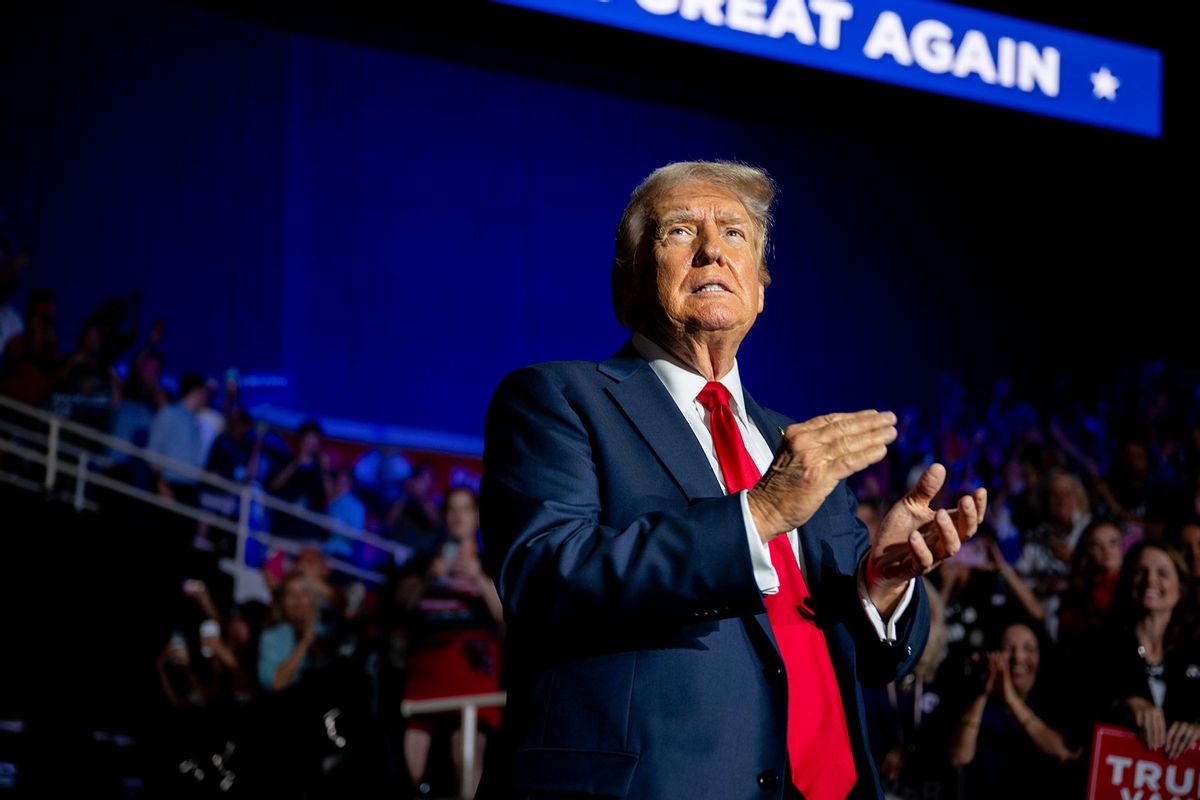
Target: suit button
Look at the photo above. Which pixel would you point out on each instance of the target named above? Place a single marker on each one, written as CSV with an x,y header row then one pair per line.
x,y
908,649
776,674
768,780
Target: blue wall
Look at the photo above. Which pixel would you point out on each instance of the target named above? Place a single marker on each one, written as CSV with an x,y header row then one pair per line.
x,y
393,232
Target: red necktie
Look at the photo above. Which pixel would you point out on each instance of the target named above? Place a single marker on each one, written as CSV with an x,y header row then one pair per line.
x,y
818,742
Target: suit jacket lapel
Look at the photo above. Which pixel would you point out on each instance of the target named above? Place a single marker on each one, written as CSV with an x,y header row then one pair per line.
x,y
651,410
649,407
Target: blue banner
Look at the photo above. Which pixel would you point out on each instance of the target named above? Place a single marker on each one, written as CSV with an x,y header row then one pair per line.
x,y
935,47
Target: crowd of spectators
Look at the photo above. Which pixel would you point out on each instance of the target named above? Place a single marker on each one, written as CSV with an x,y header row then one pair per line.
x,y
1073,605
297,692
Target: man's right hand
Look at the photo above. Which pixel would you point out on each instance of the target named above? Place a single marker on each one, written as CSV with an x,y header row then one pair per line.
x,y
811,458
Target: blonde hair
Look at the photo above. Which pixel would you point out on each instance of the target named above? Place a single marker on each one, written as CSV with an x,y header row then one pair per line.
x,y
752,186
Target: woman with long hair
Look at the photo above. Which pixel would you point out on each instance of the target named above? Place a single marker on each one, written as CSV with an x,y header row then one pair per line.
x,y
1011,726
1151,674
1095,566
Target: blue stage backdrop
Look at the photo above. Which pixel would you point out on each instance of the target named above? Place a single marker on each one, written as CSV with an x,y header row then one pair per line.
x,y
393,232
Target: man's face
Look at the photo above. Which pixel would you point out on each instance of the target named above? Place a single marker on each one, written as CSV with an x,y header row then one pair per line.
x,y
706,253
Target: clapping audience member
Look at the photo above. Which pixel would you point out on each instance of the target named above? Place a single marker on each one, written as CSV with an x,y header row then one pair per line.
x,y
330,599
1011,728
293,645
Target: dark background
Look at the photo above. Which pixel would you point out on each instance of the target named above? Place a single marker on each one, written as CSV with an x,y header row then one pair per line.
x,y
393,208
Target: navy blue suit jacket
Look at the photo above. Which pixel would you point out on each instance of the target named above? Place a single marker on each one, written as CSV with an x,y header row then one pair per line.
x,y
640,660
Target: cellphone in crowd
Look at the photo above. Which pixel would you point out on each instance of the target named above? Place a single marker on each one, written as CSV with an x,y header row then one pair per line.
x,y
178,641
192,587
209,629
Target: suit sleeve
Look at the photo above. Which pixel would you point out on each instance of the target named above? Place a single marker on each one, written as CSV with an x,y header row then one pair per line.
x,y
880,662
556,564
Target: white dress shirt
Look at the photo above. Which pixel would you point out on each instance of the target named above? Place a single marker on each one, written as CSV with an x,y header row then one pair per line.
x,y
684,384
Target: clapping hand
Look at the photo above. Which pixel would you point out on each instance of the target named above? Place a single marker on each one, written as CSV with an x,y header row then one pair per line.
x,y
811,458
914,538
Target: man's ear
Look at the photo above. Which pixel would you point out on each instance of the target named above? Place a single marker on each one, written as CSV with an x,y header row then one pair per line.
x,y
762,295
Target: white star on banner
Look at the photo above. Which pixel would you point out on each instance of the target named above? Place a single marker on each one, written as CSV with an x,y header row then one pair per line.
x,y
1105,84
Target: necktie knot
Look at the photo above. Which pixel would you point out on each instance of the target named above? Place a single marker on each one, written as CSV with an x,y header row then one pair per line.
x,y
713,395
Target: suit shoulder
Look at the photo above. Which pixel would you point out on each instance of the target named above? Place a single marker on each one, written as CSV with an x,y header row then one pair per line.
x,y
560,374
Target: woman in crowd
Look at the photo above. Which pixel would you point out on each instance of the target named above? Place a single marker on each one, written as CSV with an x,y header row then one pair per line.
x,y
291,647
1151,675
453,636
1045,558
1095,565
1010,729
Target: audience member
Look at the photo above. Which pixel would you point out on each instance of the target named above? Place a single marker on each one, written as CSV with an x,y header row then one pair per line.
x,y
305,481
1009,735
296,643
453,637
31,358
175,433
1150,652
1095,565
1076,474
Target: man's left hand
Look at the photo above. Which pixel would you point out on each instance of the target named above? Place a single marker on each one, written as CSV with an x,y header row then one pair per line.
x,y
914,538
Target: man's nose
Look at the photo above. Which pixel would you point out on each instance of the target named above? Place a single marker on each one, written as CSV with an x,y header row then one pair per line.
x,y
710,249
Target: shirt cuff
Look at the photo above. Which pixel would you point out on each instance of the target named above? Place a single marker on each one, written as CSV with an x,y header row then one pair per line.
x,y
887,633
760,554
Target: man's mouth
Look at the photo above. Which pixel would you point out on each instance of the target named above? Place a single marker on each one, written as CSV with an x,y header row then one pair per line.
x,y
711,287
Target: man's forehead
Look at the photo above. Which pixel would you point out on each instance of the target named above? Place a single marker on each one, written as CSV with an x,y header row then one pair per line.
x,y
698,199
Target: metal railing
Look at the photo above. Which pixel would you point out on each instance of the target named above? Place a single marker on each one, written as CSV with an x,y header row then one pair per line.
x,y
75,460
469,706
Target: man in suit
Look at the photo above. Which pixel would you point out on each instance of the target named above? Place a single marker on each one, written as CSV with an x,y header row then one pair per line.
x,y
691,610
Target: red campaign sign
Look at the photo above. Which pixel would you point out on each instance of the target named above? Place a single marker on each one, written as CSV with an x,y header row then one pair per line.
x,y
1124,770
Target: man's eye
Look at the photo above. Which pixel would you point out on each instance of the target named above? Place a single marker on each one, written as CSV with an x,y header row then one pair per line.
x,y
678,232
736,232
